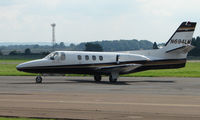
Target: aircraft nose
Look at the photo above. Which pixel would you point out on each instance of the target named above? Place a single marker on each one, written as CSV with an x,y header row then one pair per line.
x,y
23,66
19,67
28,66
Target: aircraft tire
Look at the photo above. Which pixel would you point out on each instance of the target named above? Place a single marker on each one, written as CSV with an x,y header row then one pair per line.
x,y
97,78
112,80
38,79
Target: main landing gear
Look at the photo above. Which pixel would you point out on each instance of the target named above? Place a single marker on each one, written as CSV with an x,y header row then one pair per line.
x,y
112,78
38,79
97,78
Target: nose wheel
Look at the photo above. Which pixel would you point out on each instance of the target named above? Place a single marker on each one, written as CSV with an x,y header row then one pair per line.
x,y
38,79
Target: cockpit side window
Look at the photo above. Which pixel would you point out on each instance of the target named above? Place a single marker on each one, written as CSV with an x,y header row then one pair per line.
x,y
62,57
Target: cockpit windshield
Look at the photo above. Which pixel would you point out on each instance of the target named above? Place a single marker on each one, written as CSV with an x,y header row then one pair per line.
x,y
56,56
52,56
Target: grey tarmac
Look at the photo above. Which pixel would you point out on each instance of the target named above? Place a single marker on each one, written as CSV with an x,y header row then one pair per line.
x,y
132,98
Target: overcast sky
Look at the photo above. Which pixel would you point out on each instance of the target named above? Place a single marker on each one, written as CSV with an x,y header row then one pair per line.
x,y
91,20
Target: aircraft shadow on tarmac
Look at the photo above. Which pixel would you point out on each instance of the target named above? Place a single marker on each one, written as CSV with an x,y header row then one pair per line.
x,y
78,81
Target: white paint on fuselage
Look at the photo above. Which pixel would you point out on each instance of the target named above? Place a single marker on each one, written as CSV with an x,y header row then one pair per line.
x,y
71,58
175,42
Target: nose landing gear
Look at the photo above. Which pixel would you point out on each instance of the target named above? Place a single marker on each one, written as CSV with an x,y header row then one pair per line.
x,y
38,79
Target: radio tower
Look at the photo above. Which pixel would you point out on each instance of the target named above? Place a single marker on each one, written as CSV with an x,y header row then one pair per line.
x,y
53,35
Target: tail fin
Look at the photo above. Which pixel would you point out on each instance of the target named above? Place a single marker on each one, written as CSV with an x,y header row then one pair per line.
x,y
182,38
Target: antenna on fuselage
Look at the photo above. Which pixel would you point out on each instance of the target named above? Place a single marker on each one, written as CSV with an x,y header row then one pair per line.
x,y
53,36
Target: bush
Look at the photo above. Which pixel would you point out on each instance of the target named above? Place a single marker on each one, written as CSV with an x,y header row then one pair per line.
x,y
14,52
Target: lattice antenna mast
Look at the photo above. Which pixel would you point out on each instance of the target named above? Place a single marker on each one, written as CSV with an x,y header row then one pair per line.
x,y
53,36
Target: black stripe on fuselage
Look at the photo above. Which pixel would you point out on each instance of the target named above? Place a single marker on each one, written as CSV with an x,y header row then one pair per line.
x,y
189,30
91,68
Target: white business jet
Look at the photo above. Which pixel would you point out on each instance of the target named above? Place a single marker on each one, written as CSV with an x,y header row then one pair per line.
x,y
113,64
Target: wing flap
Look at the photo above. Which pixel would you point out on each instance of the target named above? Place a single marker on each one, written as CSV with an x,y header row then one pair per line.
x,y
119,68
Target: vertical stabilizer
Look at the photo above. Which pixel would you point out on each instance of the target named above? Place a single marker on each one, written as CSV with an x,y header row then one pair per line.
x,y
182,37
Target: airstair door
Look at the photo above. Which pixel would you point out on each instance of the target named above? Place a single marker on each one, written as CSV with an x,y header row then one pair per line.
x,y
118,59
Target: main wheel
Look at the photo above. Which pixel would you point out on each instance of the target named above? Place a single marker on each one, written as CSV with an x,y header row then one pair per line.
x,y
38,79
112,80
97,78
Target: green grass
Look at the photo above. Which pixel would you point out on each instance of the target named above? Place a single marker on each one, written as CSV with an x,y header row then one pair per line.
x,y
8,68
12,118
192,69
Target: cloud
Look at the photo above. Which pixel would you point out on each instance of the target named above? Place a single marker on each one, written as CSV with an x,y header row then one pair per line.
x,y
90,20
9,17
168,7
50,3
155,7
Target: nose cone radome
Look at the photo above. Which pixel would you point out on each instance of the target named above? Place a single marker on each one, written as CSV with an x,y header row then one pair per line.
x,y
20,67
28,65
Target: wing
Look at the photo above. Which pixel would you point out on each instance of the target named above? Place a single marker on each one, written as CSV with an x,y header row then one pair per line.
x,y
125,68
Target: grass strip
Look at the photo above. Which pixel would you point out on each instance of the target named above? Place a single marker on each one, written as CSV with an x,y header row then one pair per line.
x,y
192,69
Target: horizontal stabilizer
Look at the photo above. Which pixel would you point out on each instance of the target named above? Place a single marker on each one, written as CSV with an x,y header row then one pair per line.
x,y
182,49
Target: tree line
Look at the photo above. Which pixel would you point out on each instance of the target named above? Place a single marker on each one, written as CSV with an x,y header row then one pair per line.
x,y
196,50
105,45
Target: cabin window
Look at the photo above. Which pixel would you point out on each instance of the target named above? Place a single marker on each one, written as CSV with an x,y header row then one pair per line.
x,y
79,57
100,58
93,57
86,57
62,57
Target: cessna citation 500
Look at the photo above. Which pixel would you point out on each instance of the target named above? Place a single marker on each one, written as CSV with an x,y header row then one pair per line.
x,y
113,64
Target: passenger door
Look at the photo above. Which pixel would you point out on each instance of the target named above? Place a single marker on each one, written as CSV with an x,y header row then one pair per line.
x,y
118,59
